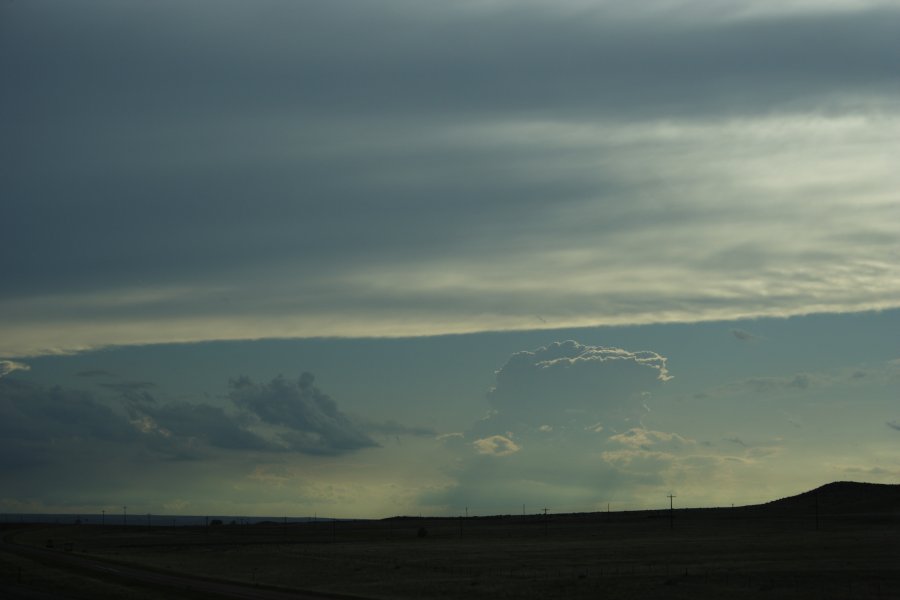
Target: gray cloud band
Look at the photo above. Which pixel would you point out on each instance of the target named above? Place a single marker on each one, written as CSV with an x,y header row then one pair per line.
x,y
462,168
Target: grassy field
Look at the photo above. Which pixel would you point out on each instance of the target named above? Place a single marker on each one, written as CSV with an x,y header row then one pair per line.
x,y
714,553
39,579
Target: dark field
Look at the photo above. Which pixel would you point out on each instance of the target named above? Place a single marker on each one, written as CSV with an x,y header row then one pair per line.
x,y
772,551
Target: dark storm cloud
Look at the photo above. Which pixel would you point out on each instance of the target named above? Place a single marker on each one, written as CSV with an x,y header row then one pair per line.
x,y
41,413
59,426
210,423
56,425
37,421
313,421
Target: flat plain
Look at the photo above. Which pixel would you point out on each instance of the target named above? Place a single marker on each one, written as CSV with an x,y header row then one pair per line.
x,y
841,541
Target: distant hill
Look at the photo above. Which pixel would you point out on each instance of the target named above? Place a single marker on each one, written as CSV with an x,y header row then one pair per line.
x,y
843,497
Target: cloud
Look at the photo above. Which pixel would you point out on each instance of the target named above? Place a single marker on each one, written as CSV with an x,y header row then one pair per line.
x,y
568,431
56,426
8,366
310,421
669,140
60,426
568,380
645,439
744,336
736,440
38,424
556,413
496,445
893,425
37,413
210,424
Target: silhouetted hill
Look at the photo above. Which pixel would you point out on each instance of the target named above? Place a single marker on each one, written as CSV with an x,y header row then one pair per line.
x,y
847,497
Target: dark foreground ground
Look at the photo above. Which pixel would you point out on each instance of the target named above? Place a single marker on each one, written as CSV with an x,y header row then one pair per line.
x,y
778,551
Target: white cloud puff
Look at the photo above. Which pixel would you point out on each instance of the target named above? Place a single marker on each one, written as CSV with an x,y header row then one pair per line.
x,y
8,366
496,445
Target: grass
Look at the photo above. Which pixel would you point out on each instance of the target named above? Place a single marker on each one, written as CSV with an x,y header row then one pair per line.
x,y
709,554
57,580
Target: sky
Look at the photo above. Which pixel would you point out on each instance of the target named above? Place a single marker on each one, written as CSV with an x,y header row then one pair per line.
x,y
374,257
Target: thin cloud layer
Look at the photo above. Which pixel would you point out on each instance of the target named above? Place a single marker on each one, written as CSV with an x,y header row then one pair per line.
x,y
409,168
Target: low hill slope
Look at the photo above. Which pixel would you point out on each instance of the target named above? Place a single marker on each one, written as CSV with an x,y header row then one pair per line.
x,y
843,497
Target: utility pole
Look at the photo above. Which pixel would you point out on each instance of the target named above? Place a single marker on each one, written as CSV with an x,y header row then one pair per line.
x,y
545,521
102,518
124,515
671,511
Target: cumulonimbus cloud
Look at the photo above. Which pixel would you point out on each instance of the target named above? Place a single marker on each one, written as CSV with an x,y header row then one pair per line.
x,y
566,380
